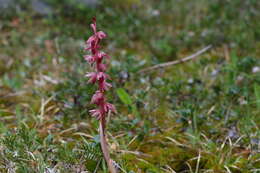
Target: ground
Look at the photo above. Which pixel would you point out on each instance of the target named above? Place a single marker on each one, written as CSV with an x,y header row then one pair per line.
x,y
196,117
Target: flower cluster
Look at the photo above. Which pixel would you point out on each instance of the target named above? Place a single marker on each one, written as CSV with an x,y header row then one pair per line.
x,y
99,76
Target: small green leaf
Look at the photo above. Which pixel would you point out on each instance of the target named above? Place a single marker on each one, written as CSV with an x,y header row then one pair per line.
x,y
124,96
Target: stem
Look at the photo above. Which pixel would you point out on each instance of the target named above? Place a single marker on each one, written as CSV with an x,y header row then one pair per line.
x,y
104,145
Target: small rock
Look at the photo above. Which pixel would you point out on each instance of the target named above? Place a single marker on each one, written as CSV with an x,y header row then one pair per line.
x,y
4,4
155,13
255,69
41,8
255,141
123,76
214,73
232,133
190,80
89,3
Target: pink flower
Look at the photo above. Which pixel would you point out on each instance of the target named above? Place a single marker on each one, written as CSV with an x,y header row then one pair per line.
x,y
104,86
91,43
96,113
93,26
92,76
109,107
89,58
101,35
102,76
98,98
91,39
101,67
100,55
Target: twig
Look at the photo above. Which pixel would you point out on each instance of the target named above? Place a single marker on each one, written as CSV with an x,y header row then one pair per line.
x,y
176,61
198,163
97,166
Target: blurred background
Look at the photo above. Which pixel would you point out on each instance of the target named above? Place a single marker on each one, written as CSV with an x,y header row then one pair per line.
x,y
198,116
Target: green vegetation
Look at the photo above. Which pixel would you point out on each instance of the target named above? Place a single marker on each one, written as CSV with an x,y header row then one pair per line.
x,y
196,117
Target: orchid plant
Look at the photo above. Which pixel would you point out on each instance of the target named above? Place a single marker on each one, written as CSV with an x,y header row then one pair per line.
x,y
96,60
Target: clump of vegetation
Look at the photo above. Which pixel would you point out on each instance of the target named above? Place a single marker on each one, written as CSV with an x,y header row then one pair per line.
x,y
198,116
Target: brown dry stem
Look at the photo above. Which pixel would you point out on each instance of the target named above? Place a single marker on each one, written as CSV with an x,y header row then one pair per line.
x,y
177,61
104,146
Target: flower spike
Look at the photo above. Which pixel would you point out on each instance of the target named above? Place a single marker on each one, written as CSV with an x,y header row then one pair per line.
x,y
99,76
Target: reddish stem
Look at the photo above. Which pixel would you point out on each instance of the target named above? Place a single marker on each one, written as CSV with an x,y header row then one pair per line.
x,y
104,145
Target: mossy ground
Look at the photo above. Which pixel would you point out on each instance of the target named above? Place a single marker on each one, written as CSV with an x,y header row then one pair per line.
x,y
197,117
